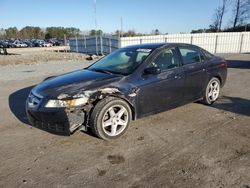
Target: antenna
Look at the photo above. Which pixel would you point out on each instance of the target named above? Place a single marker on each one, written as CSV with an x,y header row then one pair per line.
x,y
95,14
121,27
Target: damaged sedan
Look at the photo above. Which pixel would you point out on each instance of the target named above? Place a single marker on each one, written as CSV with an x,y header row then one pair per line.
x,y
130,83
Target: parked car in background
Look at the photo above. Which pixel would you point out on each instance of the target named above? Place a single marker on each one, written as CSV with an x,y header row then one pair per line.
x,y
5,44
46,44
38,43
50,41
19,44
29,43
58,42
130,83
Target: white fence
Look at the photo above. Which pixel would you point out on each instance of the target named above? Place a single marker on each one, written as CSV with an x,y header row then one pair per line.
x,y
237,42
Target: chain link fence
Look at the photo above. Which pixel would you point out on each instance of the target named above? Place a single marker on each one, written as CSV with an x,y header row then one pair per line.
x,y
99,44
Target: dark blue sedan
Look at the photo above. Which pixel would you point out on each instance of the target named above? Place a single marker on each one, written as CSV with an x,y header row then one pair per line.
x,y
128,84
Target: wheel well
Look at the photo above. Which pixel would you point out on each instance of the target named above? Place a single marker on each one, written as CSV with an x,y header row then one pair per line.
x,y
130,105
219,78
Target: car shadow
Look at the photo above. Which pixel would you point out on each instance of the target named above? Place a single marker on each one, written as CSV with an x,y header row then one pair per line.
x,y
17,102
233,104
239,64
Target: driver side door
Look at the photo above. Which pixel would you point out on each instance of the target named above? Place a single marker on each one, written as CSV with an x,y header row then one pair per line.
x,y
161,91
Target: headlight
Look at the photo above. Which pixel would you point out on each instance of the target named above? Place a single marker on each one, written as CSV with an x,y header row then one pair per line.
x,y
66,103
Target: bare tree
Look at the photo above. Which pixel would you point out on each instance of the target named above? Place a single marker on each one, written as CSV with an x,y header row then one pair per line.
x,y
216,21
218,16
241,12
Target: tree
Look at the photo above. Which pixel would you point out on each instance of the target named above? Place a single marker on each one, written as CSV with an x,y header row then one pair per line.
x,y
11,32
2,33
55,32
59,32
218,16
198,31
215,25
117,32
30,32
156,32
72,32
94,32
129,33
241,12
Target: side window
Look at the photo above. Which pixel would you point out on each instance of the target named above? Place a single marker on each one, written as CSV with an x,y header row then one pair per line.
x,y
167,59
190,56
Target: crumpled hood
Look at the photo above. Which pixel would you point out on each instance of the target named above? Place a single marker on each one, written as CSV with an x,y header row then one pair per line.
x,y
73,82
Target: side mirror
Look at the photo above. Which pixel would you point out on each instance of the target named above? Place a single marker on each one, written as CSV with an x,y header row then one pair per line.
x,y
152,70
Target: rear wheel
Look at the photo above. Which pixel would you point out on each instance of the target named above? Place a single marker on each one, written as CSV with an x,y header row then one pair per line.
x,y
212,91
110,118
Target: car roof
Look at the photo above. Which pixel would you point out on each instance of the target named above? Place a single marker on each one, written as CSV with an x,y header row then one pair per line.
x,y
158,45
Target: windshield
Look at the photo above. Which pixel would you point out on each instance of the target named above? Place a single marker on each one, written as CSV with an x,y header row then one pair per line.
x,y
123,61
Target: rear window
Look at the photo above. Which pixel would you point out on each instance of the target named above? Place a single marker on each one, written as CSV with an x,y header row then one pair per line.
x,y
207,54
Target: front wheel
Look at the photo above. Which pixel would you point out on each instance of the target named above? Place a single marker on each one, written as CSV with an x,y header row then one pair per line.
x,y
212,91
110,118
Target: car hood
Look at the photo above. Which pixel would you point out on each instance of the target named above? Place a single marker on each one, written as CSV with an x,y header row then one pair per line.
x,y
74,82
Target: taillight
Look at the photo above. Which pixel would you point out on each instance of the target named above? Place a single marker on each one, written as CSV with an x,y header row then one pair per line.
x,y
223,64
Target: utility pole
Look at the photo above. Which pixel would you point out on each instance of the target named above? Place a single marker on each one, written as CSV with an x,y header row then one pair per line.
x,y
96,46
121,27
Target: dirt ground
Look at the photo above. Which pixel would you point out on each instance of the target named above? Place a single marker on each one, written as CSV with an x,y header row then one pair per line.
x,y
39,55
190,146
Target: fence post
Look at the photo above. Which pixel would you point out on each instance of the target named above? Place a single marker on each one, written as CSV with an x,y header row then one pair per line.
x,y
191,40
85,44
140,41
119,39
96,45
241,42
216,43
76,45
110,49
166,39
101,44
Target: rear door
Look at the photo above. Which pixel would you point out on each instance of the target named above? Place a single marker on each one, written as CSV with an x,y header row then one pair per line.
x,y
195,72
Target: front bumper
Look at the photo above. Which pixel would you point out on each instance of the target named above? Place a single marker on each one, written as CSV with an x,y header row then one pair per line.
x,y
59,121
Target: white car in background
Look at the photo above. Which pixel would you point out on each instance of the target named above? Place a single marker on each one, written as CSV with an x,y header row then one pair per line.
x,y
46,44
19,44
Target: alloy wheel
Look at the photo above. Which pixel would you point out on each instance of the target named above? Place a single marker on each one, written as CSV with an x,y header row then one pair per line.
x,y
214,90
115,120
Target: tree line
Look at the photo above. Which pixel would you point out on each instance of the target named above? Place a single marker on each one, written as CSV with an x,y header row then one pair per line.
x,y
31,32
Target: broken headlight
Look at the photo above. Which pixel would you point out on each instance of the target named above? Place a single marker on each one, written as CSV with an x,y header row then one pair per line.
x,y
66,103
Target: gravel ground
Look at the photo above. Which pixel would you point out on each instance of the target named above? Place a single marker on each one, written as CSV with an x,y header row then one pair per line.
x,y
190,146
38,55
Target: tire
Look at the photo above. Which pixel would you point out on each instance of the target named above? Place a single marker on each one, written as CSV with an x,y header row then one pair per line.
x,y
212,91
108,121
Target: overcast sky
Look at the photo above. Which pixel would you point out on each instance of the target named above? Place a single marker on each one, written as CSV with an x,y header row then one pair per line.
x,y
169,16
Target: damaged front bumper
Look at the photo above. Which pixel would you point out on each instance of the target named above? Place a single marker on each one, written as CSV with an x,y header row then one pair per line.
x,y
62,121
